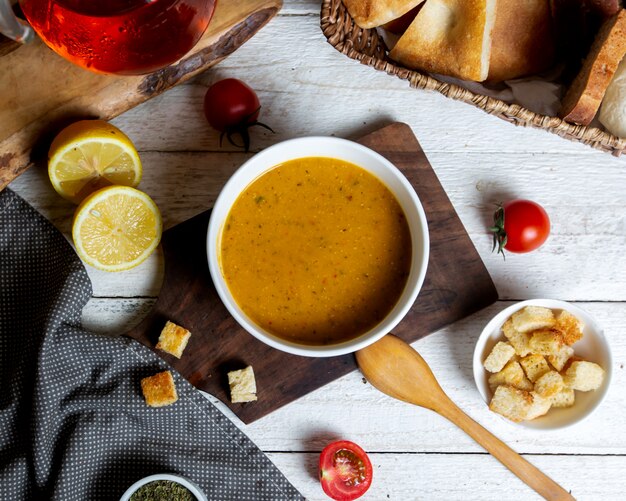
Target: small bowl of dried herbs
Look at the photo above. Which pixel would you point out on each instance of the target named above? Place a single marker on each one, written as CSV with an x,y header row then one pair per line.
x,y
163,487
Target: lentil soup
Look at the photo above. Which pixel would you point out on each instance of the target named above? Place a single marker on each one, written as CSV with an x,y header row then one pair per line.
x,y
316,251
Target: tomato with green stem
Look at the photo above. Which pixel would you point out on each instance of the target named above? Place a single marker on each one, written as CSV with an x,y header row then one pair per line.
x,y
520,226
345,471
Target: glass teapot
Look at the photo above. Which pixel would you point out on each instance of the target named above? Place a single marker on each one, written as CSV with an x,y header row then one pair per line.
x,y
112,36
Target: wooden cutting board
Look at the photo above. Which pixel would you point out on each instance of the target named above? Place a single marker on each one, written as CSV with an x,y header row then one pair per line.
x,y
40,92
457,285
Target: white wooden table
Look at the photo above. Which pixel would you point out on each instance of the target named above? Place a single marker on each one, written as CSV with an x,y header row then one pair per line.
x,y
307,88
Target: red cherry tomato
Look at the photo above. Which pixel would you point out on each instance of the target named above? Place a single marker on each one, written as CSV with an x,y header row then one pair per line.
x,y
345,471
232,107
520,226
230,103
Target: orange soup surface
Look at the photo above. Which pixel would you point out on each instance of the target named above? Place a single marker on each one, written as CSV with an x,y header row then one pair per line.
x,y
316,251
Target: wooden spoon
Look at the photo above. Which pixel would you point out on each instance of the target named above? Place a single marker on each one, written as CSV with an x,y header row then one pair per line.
x,y
392,366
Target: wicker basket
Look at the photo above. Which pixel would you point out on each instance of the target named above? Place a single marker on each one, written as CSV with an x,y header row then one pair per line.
x,y
367,47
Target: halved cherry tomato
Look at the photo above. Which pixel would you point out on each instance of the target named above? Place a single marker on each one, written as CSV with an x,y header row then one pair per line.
x,y
345,471
520,226
232,107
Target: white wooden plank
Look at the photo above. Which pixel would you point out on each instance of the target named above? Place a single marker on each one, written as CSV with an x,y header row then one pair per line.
x,y
300,7
446,477
342,108
348,407
585,203
308,88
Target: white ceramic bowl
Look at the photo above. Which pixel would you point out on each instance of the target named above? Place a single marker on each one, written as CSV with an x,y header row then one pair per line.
x,y
592,347
364,158
193,488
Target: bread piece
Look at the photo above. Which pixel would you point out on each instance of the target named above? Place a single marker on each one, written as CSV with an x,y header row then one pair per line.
x,y
549,384
512,375
532,318
372,13
499,356
173,339
159,390
583,98
560,358
242,385
450,37
519,340
574,32
604,7
545,341
613,112
568,364
511,403
564,398
540,406
534,366
401,24
570,327
583,376
523,40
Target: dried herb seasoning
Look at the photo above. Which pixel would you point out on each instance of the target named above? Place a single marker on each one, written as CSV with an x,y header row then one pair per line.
x,y
162,490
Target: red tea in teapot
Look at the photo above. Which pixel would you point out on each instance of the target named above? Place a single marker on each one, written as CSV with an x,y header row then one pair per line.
x,y
120,36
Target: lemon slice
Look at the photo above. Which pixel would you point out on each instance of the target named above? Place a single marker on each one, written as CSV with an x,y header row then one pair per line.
x,y
89,155
116,228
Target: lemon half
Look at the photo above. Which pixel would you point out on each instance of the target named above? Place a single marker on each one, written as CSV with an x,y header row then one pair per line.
x,y
116,228
89,155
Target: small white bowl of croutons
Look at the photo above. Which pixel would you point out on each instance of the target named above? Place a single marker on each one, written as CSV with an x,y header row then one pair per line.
x,y
543,364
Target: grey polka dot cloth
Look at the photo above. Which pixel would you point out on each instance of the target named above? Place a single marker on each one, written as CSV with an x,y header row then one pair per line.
x,y
73,422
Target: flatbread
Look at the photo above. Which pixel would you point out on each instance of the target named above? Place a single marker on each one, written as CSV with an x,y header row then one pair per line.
x,y
450,37
522,40
372,13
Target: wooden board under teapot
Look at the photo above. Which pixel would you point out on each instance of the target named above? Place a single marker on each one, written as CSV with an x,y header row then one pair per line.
x,y
40,92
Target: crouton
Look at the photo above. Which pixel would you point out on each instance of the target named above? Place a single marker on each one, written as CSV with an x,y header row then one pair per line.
x,y
534,366
499,356
583,376
242,385
549,384
543,371
518,340
545,341
532,318
511,403
564,398
512,375
560,358
173,339
159,390
540,406
570,327
568,364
